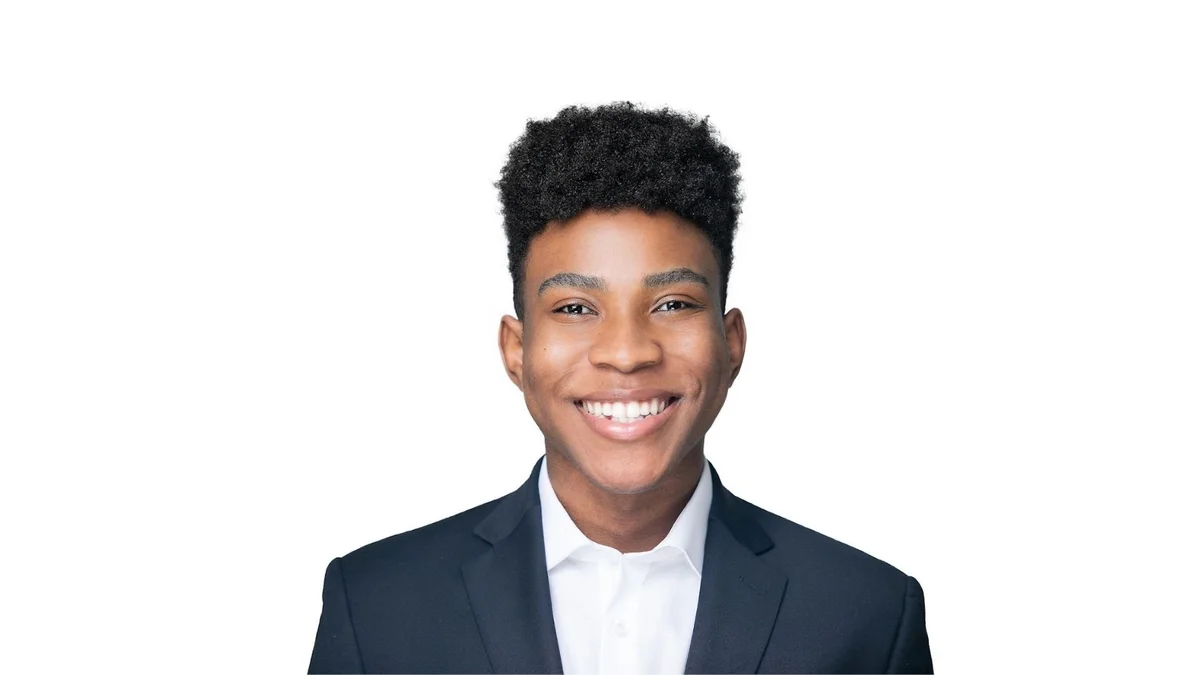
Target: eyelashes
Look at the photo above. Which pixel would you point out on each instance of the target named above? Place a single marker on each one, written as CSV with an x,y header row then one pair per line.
x,y
575,309
580,309
681,304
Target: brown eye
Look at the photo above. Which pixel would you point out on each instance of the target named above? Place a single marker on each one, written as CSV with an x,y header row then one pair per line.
x,y
673,306
574,308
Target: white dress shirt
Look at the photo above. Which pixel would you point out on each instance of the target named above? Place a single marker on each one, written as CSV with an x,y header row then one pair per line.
x,y
624,612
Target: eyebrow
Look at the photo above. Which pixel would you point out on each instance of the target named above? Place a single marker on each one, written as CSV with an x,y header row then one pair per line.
x,y
676,276
574,280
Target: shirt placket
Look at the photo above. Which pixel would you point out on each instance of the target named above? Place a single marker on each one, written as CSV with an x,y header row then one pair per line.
x,y
622,629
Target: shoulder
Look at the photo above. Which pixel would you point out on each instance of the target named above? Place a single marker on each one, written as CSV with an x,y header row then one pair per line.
x,y
438,546
857,603
435,553
818,560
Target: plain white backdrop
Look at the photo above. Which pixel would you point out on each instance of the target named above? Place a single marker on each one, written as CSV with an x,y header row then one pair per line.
x,y
252,269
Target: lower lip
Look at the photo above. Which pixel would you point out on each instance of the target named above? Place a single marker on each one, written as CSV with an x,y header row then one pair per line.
x,y
627,431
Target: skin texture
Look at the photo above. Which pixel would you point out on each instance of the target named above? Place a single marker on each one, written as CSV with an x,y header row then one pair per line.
x,y
577,339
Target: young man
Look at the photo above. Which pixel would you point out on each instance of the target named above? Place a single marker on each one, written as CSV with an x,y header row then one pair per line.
x,y
622,552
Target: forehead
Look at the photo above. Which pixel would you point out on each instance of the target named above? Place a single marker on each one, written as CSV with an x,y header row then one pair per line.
x,y
622,247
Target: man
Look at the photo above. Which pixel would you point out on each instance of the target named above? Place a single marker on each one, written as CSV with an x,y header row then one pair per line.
x,y
622,552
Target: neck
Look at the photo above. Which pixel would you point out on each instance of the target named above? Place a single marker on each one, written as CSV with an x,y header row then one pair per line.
x,y
627,522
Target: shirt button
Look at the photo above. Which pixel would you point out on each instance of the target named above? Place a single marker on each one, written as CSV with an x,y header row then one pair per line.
x,y
621,629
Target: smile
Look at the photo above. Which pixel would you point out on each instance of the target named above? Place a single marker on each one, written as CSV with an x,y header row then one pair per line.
x,y
627,420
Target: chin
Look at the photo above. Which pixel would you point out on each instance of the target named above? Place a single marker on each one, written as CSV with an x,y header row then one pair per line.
x,y
624,473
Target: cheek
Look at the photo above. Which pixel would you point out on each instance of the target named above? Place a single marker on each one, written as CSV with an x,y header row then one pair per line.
x,y
550,358
705,355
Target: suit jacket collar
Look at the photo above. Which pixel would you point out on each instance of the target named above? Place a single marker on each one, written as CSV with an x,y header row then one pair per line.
x,y
509,588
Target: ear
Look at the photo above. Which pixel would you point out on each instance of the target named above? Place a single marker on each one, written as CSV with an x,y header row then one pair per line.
x,y
512,348
735,337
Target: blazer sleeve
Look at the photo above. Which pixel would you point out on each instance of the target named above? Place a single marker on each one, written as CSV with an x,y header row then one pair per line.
x,y
336,648
910,649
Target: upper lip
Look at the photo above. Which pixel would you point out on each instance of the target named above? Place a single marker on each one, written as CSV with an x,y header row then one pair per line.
x,y
613,395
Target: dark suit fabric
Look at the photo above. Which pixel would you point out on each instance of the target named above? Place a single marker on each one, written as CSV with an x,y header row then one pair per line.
x,y
470,594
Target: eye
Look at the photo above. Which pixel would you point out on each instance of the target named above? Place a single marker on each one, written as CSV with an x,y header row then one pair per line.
x,y
575,309
673,306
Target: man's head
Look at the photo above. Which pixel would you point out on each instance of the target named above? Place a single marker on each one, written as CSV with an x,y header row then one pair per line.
x,y
612,157
620,226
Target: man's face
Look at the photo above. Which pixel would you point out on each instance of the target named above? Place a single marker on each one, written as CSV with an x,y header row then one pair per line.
x,y
623,354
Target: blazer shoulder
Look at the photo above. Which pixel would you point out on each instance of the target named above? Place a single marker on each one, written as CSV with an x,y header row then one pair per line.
x,y
436,544
797,546
860,613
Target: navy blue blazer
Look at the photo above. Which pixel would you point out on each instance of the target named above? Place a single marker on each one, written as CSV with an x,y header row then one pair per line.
x,y
470,594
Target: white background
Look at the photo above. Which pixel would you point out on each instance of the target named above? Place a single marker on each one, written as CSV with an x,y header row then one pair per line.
x,y
252,268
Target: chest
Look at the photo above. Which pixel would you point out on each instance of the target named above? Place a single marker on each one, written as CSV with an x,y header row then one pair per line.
x,y
624,617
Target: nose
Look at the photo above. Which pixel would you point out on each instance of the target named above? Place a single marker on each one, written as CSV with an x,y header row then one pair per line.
x,y
625,344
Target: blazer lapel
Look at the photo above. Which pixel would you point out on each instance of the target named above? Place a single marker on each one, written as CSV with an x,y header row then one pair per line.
x,y
509,588
739,593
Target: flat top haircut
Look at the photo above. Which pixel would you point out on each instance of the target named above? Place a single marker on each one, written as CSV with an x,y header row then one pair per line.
x,y
613,157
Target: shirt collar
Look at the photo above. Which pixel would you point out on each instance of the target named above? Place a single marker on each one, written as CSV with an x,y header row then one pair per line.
x,y
562,537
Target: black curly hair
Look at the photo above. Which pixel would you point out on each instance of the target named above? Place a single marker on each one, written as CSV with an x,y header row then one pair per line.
x,y
612,157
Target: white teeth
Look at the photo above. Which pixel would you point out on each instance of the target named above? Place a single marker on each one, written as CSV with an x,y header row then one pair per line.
x,y
625,411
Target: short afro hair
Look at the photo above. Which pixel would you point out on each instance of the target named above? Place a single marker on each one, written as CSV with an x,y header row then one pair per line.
x,y
613,157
